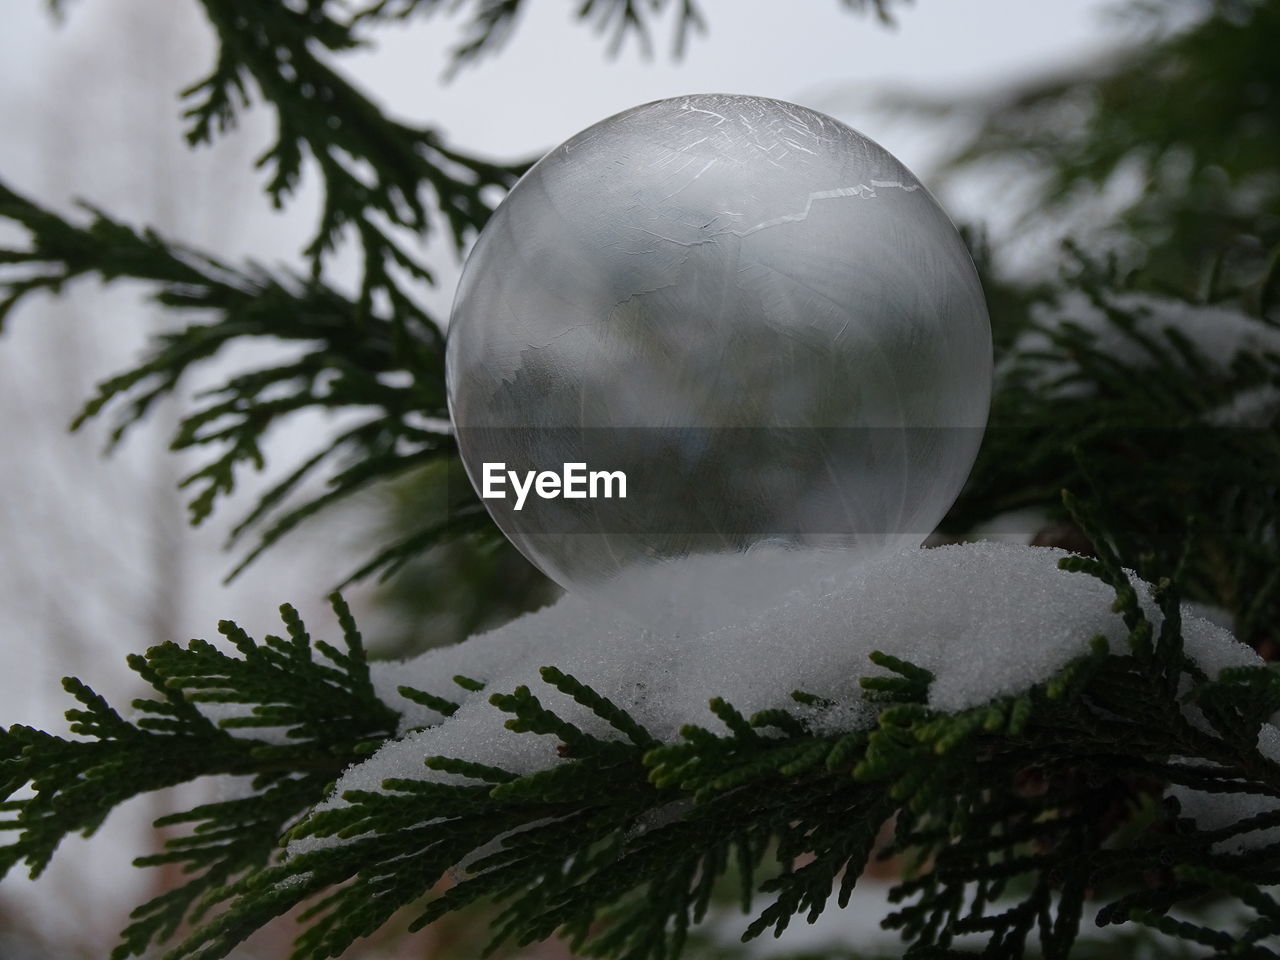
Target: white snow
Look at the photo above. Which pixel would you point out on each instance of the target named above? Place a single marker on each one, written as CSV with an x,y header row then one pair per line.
x,y
1258,408
988,619
1219,332
1213,811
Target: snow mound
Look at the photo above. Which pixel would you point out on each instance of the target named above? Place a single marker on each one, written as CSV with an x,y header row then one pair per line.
x,y
987,619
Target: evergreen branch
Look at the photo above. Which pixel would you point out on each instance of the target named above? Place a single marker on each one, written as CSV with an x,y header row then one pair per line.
x,y
446,708
651,886
491,22
390,560
325,709
1207,159
1018,811
372,168
388,367
1151,425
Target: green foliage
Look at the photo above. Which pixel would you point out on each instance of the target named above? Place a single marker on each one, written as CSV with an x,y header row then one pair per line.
x,y
452,589
1152,433
322,711
385,367
374,170
1200,167
1149,429
490,22
1200,229
1020,814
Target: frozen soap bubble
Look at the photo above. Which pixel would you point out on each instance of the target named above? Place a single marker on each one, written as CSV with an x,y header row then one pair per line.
x,y
755,314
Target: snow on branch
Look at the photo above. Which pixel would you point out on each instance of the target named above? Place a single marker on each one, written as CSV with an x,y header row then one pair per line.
x,y
1019,713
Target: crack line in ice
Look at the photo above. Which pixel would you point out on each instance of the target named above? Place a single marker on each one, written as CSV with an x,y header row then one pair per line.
x,y
792,143
719,116
861,191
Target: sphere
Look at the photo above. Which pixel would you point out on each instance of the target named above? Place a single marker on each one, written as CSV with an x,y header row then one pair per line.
x,y
754,314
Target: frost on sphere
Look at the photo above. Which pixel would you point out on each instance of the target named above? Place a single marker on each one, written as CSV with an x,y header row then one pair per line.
x,y
754,312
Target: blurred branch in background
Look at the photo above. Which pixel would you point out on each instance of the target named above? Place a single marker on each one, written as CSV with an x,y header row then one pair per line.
x,y
1144,359
1163,150
490,22
456,588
